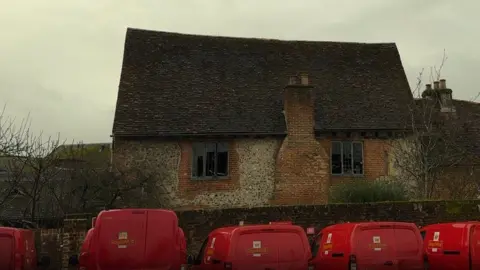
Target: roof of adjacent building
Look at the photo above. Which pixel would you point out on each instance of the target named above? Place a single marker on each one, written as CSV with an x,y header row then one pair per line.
x,y
461,129
175,84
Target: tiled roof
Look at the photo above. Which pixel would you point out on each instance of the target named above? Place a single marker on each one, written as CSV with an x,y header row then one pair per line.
x,y
189,84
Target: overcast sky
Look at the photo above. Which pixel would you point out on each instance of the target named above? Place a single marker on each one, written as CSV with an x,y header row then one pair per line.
x,y
60,60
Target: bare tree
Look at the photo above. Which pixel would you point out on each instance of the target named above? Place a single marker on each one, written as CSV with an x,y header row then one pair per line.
x,y
31,171
431,148
88,181
13,136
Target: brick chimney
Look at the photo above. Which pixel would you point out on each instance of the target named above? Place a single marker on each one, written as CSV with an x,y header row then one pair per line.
x,y
445,94
302,165
299,107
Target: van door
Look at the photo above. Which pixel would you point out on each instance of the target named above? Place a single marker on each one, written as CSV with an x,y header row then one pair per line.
x,y
256,250
7,247
292,251
375,247
446,247
408,249
475,247
334,250
121,240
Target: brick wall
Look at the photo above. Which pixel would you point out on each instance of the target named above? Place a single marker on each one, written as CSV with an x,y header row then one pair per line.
x,y
376,159
198,224
302,165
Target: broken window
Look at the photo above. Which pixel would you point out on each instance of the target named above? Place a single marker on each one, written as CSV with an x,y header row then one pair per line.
x,y
347,158
210,160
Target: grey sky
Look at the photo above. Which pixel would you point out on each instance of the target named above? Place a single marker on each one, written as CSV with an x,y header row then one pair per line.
x,y
60,60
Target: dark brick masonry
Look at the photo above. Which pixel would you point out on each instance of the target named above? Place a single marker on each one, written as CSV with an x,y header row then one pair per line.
x,y
198,224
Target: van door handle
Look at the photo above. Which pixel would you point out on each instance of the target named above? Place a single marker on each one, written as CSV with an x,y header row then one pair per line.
x,y
388,263
451,252
337,254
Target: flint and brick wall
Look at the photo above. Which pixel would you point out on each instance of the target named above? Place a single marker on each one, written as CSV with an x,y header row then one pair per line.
x,y
257,167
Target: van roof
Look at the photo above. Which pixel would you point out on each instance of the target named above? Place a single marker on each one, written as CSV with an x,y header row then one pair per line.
x,y
11,229
451,224
136,209
233,229
352,225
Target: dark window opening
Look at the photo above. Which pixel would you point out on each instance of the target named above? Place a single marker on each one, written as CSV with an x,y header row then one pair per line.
x,y
347,158
210,160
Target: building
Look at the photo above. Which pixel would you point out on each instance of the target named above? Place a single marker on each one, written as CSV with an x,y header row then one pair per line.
x,y
449,150
231,122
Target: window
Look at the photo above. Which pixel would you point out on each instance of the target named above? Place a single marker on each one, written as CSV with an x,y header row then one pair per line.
x,y
210,160
347,158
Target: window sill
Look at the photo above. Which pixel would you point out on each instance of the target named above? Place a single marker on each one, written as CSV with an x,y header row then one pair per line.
x,y
349,175
209,179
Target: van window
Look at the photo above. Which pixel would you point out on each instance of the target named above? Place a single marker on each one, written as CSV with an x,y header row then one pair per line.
x,y
315,247
407,242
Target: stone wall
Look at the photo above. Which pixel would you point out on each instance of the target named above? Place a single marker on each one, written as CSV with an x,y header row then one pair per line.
x,y
198,224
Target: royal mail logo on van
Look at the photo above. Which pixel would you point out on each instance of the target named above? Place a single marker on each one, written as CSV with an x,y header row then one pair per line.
x,y
377,246
263,250
435,244
327,246
123,241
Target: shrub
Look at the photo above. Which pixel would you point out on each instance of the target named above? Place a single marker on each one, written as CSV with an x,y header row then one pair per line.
x,y
368,191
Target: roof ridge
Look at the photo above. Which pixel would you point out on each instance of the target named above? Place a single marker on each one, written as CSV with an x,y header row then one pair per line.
x,y
133,29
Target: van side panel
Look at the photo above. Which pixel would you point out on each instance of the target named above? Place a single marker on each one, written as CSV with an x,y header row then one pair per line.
x,y
7,247
446,246
334,249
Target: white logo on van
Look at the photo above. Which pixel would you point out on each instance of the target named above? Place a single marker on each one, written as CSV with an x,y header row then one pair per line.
x,y
329,238
436,236
376,239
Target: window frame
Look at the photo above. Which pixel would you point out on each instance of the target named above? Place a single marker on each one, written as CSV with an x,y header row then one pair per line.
x,y
194,155
341,142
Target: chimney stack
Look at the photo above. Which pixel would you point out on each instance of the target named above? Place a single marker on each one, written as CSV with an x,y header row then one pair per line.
x,y
428,86
443,84
299,106
436,85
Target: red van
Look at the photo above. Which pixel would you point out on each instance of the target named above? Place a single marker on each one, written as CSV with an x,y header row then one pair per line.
x,y
452,246
369,245
85,259
255,247
17,249
134,239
